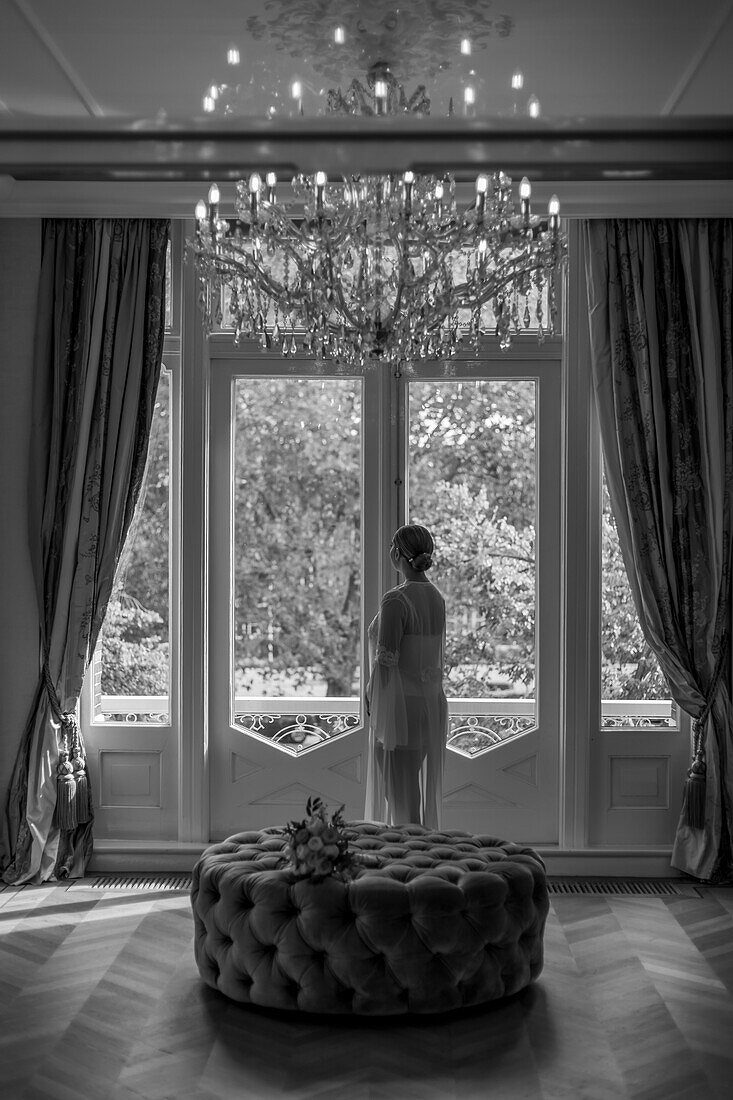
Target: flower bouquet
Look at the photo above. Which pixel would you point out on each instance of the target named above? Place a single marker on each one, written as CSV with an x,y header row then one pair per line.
x,y
318,846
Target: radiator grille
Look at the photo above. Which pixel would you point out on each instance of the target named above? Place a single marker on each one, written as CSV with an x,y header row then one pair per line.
x,y
619,887
178,881
623,887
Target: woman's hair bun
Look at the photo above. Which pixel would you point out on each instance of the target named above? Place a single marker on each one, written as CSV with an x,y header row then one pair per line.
x,y
421,562
415,543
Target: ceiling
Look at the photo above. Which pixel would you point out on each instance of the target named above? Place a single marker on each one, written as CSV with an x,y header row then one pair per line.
x,y
629,89
81,58
139,59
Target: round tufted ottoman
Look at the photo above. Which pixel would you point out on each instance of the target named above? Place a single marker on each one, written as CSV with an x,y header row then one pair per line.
x,y
438,921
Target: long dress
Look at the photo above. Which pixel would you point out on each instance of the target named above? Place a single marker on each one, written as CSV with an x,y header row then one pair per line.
x,y
408,711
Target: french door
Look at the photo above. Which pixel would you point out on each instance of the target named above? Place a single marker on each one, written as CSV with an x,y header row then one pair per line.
x,y
294,475
309,475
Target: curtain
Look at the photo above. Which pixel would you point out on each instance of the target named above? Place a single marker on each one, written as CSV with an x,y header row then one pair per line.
x,y
97,357
660,307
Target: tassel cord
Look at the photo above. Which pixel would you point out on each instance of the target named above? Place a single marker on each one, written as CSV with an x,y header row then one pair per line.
x,y
695,784
73,794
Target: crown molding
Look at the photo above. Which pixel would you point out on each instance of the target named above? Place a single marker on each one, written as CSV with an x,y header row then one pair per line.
x,y
567,150
104,199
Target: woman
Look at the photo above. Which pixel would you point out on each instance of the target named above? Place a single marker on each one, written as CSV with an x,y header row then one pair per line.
x,y
408,712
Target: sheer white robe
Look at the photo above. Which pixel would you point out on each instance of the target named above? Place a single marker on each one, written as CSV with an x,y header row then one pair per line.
x,y
408,711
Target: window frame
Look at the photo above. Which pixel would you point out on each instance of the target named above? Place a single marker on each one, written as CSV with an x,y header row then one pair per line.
x,y
583,764
590,818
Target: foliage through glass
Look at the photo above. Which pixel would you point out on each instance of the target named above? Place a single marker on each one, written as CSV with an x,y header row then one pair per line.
x,y
297,537
472,481
631,679
134,649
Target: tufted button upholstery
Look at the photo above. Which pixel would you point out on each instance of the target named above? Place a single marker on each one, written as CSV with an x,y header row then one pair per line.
x,y
432,921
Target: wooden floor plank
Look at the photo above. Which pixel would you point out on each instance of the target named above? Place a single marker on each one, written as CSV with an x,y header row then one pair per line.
x,y
100,999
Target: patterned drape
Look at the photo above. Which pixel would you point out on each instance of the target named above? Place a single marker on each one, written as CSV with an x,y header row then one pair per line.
x,y
661,313
97,357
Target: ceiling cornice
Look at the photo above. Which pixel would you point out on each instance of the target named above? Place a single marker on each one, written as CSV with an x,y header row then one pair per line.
x,y
104,199
572,150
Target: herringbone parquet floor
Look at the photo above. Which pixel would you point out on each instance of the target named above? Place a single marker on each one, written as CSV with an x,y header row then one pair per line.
x,y
100,998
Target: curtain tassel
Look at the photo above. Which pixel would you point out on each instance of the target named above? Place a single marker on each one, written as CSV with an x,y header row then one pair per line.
x,y
82,798
693,806
694,798
73,796
65,792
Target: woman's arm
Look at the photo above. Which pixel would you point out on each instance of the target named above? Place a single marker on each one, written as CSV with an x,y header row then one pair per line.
x,y
391,629
386,702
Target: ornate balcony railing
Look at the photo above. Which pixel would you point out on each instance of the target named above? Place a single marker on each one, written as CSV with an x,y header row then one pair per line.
x,y
297,723
146,710
639,713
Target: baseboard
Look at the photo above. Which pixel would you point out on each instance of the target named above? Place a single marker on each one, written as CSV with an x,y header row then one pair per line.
x,y
609,862
111,856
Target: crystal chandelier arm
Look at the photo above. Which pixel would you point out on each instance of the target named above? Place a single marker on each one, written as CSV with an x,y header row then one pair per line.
x,y
463,296
347,315
247,267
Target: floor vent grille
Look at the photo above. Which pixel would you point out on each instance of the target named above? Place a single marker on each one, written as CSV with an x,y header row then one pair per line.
x,y
140,882
617,887
622,887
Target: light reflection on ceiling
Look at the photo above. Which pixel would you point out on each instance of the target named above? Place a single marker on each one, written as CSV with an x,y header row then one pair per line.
x,y
150,58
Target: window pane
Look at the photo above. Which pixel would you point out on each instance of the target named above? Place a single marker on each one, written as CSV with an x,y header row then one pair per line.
x,y
297,558
472,481
633,690
133,669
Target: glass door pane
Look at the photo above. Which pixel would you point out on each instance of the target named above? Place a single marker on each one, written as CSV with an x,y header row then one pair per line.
x,y
634,693
473,482
132,663
297,558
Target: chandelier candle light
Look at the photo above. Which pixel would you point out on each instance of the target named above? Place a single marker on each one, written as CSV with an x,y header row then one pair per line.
x,y
377,268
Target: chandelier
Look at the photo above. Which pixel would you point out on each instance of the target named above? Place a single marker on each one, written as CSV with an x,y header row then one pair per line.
x,y
377,268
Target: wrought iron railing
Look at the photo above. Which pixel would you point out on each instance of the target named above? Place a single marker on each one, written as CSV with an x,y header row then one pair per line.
x,y
639,713
296,723
146,710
